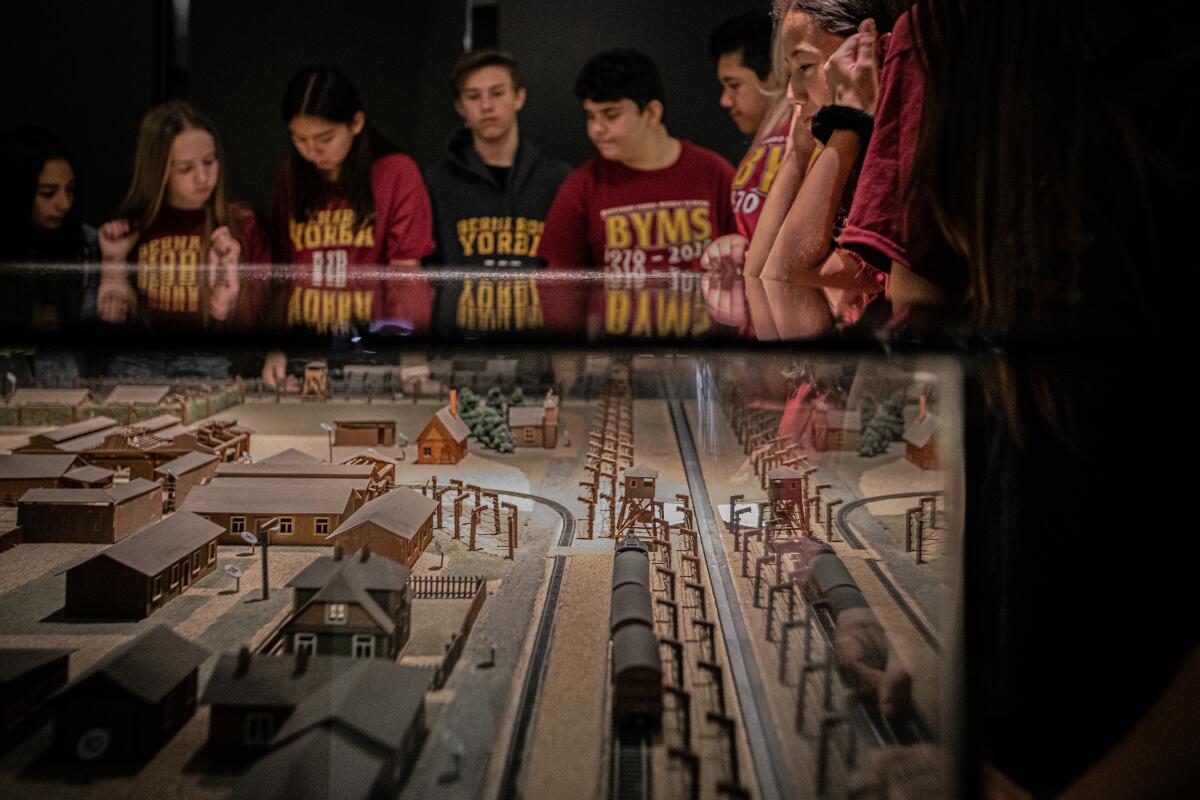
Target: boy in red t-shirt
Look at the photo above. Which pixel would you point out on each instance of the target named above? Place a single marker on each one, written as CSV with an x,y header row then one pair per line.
x,y
644,210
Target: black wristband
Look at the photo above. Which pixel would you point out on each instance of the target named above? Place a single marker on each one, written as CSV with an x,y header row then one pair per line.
x,y
842,118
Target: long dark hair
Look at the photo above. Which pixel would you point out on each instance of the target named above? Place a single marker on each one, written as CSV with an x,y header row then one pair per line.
x,y
326,92
24,152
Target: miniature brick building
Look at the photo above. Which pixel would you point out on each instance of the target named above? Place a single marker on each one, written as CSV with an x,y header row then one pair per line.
x,y
362,433
444,438
397,525
132,702
253,695
22,472
89,516
333,744
920,439
535,426
27,679
785,484
350,606
179,476
308,509
640,482
138,575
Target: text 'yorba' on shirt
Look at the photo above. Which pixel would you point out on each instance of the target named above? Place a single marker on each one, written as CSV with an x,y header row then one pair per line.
x,y
488,217
646,229
172,272
337,281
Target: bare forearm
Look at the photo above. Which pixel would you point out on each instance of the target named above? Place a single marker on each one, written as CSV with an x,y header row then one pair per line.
x,y
774,212
806,234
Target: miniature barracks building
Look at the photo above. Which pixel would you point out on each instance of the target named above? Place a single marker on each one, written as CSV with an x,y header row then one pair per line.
x,y
21,472
444,439
27,679
185,473
356,738
360,433
920,439
350,606
135,577
397,525
89,516
308,509
535,426
132,702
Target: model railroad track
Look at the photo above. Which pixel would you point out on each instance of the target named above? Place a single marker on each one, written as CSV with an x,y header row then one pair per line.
x,y
775,780
535,673
632,778
902,602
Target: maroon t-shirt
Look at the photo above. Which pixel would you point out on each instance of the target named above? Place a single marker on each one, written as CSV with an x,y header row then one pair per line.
x,y
756,175
884,226
171,257
340,260
635,224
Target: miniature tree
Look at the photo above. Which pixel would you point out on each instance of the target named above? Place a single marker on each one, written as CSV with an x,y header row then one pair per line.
x,y
517,398
496,398
886,424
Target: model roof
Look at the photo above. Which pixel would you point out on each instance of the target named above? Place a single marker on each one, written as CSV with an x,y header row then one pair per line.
x,y
186,463
401,511
453,424
55,397
374,698
375,573
20,661
269,680
353,423
90,474
117,493
387,455
784,473
526,415
154,548
161,427
290,456
140,395
344,588
920,431
273,496
149,666
33,466
637,471
323,763
75,429
294,469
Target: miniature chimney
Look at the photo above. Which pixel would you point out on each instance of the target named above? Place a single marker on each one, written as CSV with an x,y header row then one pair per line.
x,y
365,553
301,663
243,662
337,552
921,407
454,402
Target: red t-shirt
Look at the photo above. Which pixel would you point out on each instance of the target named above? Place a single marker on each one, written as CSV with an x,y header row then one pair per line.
x,y
634,224
339,278
172,282
756,175
884,226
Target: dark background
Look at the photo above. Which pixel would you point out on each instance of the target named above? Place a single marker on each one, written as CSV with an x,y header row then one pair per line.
x,y
88,70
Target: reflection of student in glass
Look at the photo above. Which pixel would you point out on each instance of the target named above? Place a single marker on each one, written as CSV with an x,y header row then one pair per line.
x,y
40,223
647,203
346,204
178,227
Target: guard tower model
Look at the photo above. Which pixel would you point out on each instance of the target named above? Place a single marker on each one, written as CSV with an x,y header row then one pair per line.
x,y
786,495
316,381
638,505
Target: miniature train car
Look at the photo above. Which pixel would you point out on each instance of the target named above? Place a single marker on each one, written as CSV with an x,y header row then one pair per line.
x,y
636,665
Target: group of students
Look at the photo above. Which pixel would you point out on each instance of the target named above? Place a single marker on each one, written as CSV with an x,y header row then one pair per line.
x,y
649,211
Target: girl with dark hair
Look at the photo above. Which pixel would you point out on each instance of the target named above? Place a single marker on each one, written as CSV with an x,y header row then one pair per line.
x,y
346,205
178,227
40,223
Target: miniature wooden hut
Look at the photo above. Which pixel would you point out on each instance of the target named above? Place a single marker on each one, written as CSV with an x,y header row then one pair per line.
x,y
444,438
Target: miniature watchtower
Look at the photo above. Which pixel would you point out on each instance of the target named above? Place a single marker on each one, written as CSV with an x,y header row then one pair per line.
x,y
637,504
316,381
785,493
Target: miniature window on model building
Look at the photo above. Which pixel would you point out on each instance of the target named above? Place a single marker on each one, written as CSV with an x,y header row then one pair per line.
x,y
260,728
285,524
427,451
195,562
174,574
364,647
157,587
212,551
306,643
322,524
237,524
336,613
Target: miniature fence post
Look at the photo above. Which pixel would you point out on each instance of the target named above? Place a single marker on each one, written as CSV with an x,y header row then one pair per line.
x,y
829,518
